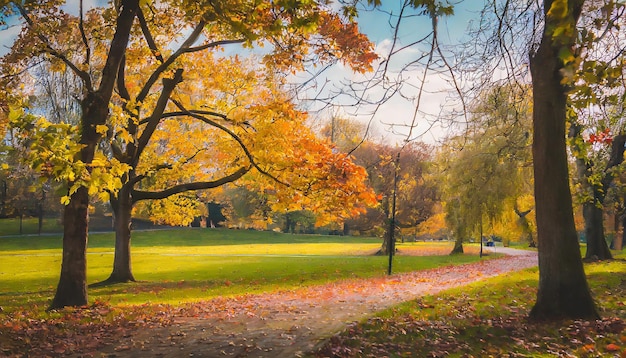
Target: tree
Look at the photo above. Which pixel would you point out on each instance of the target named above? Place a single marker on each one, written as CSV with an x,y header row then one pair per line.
x,y
557,42
596,117
478,183
595,184
487,165
524,223
563,290
415,195
100,60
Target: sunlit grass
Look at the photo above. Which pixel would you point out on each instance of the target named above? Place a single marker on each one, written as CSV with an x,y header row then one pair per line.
x,y
184,265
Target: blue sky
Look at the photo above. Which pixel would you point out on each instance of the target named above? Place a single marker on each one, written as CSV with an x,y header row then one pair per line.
x,y
376,24
391,116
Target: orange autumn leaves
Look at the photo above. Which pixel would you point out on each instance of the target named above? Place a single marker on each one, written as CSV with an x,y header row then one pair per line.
x,y
347,43
220,114
252,122
307,173
328,183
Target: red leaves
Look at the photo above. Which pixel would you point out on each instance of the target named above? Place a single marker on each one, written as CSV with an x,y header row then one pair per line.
x,y
604,137
612,347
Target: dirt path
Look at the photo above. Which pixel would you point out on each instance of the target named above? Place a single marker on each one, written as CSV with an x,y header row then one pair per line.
x,y
289,324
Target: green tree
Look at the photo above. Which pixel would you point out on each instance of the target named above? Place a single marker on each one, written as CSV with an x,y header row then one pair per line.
x,y
596,117
488,166
556,41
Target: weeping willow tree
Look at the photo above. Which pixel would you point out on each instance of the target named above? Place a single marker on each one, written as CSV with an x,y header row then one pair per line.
x,y
487,166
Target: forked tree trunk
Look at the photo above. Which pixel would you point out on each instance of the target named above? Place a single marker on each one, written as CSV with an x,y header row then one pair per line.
x,y
122,207
563,290
384,248
72,287
522,221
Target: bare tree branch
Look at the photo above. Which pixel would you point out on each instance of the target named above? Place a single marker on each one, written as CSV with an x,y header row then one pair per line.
x,y
232,135
83,35
84,76
195,34
138,195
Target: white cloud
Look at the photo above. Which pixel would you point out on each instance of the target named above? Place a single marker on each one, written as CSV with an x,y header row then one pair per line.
x,y
394,117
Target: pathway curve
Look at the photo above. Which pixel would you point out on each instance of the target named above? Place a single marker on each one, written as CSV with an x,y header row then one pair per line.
x,y
291,323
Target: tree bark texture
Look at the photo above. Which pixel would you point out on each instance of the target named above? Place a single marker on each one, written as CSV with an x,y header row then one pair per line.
x,y
563,291
122,265
72,287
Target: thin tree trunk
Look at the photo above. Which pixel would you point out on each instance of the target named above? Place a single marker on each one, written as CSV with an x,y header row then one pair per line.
x,y
619,239
72,287
288,226
563,291
122,268
40,212
597,247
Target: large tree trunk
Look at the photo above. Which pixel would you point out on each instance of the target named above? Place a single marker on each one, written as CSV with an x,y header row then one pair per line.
x,y
563,290
122,208
458,234
72,287
593,211
597,248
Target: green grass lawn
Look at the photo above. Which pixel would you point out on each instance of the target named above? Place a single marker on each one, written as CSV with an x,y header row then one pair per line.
x,y
184,265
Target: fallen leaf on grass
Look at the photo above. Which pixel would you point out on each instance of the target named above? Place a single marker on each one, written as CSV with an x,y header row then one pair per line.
x,y
612,347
